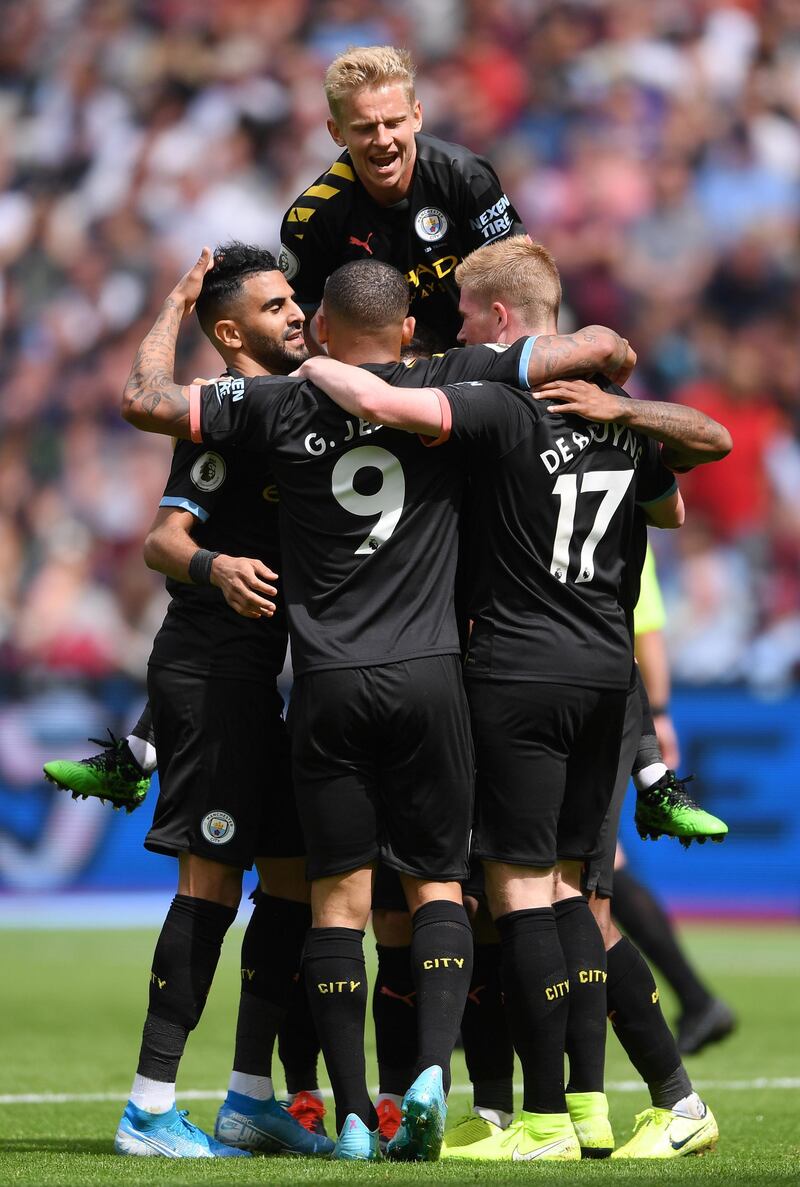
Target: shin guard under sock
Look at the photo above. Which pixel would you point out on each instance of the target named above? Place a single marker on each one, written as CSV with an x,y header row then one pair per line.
x,y
298,1044
336,981
394,1012
488,1050
441,965
640,1026
272,949
184,963
585,956
535,986
649,926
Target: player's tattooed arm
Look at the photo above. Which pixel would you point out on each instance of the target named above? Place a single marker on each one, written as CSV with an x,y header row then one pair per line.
x,y
246,582
362,394
688,436
152,400
594,348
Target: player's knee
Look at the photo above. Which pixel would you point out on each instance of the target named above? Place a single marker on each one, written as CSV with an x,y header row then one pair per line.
x,y
210,880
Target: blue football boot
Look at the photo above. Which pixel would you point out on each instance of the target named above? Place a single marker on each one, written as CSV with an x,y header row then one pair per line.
x,y
167,1134
266,1127
424,1111
356,1143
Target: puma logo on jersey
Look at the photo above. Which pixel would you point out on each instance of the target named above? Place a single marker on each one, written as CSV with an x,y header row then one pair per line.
x,y
363,242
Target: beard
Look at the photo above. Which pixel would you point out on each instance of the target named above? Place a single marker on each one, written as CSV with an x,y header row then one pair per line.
x,y
275,355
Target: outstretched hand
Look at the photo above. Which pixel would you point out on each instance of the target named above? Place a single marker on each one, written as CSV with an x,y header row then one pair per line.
x,y
188,288
581,398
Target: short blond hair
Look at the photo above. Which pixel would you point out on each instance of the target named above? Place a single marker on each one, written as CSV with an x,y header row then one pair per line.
x,y
516,272
367,66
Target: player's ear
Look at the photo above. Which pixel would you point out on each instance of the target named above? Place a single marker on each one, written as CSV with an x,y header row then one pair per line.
x,y
336,135
409,326
417,115
319,327
227,334
500,317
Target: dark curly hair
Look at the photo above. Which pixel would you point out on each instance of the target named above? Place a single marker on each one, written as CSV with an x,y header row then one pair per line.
x,y
234,262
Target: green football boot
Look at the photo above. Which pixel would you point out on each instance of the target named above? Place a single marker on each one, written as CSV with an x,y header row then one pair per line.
x,y
531,1137
112,776
589,1114
667,810
663,1133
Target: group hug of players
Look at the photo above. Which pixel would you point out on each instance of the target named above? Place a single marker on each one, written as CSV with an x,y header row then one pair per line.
x,y
452,539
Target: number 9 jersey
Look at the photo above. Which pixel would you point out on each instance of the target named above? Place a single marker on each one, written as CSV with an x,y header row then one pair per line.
x,y
368,522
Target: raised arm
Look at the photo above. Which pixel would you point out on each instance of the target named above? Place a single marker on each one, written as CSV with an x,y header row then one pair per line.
x,y
592,349
152,400
245,582
689,437
363,394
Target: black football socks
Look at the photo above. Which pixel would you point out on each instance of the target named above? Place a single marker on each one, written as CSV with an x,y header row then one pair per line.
x,y
585,957
635,1013
488,1050
184,963
535,986
336,981
298,1044
394,1012
271,954
441,965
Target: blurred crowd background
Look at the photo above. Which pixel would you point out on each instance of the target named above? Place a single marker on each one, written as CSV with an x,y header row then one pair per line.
x,y
654,147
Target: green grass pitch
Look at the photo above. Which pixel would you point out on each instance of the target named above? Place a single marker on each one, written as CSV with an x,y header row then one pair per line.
x,y
72,1005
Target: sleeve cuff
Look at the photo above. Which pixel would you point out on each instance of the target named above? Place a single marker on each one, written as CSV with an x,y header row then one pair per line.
x,y
524,359
185,505
447,422
194,413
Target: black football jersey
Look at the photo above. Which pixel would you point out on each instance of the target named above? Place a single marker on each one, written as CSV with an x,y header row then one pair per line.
x,y
456,204
554,505
234,499
369,522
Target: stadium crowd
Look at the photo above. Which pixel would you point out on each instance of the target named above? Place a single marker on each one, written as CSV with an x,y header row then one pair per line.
x,y
654,148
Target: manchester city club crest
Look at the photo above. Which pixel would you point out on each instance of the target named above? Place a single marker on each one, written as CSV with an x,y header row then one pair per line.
x,y
218,827
431,224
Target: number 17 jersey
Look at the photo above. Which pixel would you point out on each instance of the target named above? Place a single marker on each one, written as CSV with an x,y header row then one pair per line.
x,y
554,500
368,522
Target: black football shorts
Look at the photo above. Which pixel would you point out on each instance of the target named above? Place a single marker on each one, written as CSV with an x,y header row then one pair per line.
x,y
599,871
223,770
383,767
547,757
387,890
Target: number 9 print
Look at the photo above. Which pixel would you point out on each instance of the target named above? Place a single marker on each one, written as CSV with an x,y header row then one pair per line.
x,y
387,500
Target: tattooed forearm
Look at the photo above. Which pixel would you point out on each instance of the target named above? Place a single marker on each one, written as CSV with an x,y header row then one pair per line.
x,y
689,436
556,356
152,400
